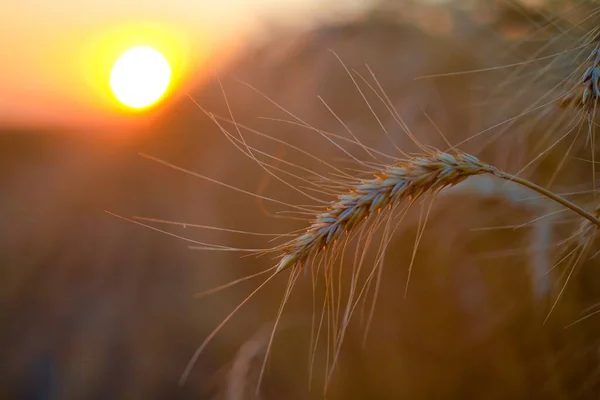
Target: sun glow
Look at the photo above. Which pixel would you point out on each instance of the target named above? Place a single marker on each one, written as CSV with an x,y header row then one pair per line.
x,y
140,77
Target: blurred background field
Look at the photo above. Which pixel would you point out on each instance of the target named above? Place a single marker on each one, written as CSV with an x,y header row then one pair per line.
x,y
96,307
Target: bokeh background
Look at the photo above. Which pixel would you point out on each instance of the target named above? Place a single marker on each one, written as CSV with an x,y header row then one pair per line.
x,y
96,307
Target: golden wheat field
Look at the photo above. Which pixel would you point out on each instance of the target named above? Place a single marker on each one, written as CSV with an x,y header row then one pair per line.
x,y
401,204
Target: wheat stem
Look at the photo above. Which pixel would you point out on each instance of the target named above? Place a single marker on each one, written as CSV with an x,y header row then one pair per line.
x,y
553,196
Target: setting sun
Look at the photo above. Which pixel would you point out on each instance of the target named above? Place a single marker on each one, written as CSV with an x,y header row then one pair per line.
x,y
140,77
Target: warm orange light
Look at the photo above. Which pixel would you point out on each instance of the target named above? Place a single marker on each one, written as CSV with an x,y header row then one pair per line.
x,y
140,77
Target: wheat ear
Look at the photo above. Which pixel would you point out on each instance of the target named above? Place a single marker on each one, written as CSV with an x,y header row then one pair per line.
x,y
406,180
590,82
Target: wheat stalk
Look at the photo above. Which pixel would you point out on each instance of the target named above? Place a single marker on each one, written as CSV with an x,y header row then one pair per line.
x,y
406,180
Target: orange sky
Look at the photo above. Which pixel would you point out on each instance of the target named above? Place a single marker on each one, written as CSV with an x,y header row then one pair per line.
x,y
56,54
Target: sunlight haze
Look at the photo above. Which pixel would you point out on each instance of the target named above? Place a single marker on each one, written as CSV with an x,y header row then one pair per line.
x,y
57,56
